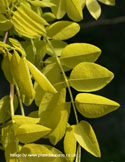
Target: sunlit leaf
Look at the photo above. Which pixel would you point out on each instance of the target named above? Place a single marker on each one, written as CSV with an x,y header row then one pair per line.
x,y
70,143
28,23
86,137
90,77
108,2
41,78
63,30
27,133
74,10
59,9
94,8
33,114
94,106
41,3
75,53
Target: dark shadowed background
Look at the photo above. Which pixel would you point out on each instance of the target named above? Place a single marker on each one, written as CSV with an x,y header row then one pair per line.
x,y
108,33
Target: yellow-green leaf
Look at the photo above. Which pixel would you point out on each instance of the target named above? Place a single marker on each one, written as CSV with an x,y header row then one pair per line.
x,y
19,120
59,9
63,30
94,106
41,3
70,143
108,2
27,133
93,8
28,23
41,78
39,150
33,114
75,53
86,137
74,10
88,77
6,67
62,115
5,24
22,76
83,2
48,16
58,46
5,112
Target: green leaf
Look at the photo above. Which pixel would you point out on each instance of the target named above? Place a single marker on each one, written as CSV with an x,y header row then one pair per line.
x,y
86,137
74,10
5,24
94,106
28,23
75,53
93,8
6,67
108,2
39,150
5,112
20,71
83,2
62,115
27,133
33,114
48,16
19,120
58,46
70,143
40,78
88,77
63,30
59,9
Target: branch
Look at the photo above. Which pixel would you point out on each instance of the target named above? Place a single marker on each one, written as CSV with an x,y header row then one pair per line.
x,y
103,22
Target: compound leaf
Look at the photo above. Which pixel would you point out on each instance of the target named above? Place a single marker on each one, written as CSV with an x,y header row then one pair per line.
x,y
86,137
88,77
94,106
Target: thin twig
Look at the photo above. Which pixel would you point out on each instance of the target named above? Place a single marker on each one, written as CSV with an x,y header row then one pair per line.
x,y
102,22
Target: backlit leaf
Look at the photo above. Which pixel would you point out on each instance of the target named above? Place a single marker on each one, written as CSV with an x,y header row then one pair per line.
x,y
108,2
33,114
94,106
94,8
59,9
63,30
70,143
27,133
75,53
74,10
41,3
88,77
5,24
41,78
48,16
86,137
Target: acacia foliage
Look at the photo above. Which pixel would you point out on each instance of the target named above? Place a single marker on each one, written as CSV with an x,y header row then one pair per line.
x,y
36,66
